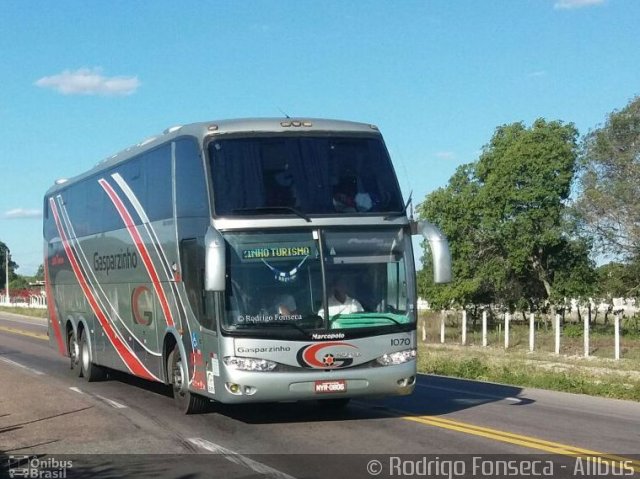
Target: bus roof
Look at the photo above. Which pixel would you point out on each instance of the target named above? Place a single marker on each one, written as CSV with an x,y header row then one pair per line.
x,y
224,127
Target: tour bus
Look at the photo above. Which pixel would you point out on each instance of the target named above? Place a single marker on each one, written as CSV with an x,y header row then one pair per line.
x,y
255,260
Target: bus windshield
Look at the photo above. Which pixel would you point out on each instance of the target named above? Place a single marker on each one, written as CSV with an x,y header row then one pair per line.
x,y
302,175
276,281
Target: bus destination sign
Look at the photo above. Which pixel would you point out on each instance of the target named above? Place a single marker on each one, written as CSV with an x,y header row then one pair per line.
x,y
277,252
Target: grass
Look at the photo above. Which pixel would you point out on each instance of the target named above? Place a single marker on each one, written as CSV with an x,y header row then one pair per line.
x,y
36,313
570,371
596,377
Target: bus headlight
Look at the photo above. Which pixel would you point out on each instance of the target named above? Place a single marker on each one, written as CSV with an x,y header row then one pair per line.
x,y
249,364
399,357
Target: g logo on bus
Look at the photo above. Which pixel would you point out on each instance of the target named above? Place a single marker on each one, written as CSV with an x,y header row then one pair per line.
x,y
339,355
142,305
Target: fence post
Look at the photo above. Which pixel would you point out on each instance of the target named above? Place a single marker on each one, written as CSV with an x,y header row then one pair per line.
x,y
507,320
442,327
484,328
424,329
557,331
532,323
464,327
586,335
617,336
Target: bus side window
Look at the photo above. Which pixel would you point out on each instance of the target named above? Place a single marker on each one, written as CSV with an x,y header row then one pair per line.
x,y
191,185
192,255
157,183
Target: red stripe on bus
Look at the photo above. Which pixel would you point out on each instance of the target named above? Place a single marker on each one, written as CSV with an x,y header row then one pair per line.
x,y
53,316
142,249
132,362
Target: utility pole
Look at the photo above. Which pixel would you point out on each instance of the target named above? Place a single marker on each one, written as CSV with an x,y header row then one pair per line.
x,y
6,271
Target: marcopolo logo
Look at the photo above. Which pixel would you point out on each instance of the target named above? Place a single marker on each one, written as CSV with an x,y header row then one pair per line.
x,y
114,262
327,355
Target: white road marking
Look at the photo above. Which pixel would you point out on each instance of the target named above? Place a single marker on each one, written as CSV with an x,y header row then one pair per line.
x,y
34,322
111,402
13,363
236,458
471,393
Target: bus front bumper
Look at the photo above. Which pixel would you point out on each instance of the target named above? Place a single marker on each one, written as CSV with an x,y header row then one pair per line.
x,y
245,386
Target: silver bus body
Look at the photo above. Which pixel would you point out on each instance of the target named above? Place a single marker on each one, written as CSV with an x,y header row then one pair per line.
x,y
207,257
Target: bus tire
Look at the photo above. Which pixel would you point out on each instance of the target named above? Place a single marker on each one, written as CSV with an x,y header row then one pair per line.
x,y
74,354
186,401
90,370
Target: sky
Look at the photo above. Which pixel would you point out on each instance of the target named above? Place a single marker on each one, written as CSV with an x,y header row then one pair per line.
x,y
80,81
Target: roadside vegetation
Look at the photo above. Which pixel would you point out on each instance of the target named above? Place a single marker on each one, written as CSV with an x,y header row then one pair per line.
x,y
596,376
526,223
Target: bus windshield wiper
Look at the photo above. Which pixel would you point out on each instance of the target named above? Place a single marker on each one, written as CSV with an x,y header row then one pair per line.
x,y
272,209
360,316
397,214
287,323
384,316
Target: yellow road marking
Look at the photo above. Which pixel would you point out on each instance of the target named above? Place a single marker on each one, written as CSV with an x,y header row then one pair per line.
x,y
524,441
24,333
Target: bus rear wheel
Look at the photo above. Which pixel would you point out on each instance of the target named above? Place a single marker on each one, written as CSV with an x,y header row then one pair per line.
x,y
74,354
186,401
90,370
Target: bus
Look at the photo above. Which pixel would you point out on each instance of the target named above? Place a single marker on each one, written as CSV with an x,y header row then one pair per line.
x,y
248,260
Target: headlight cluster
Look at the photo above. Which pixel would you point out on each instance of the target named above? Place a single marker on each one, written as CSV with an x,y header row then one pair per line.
x,y
399,357
249,364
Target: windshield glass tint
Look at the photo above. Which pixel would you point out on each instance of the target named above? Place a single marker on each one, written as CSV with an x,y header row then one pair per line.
x,y
272,279
275,281
303,175
367,279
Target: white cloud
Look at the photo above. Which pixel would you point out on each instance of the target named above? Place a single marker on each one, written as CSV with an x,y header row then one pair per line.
x,y
572,4
22,213
446,155
89,81
538,74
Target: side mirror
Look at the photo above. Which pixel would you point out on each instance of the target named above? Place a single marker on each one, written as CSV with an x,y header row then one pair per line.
x,y
214,261
439,250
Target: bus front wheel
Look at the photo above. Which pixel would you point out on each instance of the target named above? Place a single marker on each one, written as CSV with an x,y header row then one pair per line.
x,y
186,401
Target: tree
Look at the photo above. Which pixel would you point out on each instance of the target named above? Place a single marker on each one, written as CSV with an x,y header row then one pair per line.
x,y
12,266
40,273
505,218
610,183
454,210
618,280
19,282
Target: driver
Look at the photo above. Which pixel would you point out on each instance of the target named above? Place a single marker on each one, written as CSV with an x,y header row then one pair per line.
x,y
339,301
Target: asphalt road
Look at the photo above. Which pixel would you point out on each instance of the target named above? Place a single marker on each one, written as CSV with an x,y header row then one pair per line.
x,y
125,427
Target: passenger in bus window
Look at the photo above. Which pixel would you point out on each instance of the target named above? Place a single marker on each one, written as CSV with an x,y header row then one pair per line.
x,y
347,198
339,300
280,188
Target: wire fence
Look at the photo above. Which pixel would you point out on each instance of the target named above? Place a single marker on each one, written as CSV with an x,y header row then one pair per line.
x,y
616,337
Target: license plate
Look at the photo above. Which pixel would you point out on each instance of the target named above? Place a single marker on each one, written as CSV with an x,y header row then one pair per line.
x,y
336,386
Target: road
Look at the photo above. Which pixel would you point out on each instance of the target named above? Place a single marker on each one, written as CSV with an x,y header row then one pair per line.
x,y
125,427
